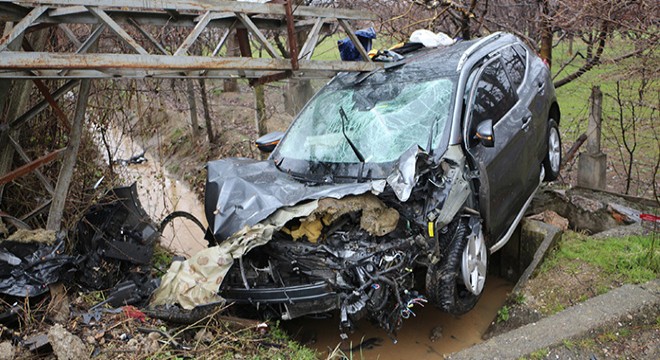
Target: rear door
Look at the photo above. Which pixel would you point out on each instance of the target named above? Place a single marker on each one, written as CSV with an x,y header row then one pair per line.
x,y
503,169
531,93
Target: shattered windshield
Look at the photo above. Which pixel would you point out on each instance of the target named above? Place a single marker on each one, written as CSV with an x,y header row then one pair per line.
x,y
383,119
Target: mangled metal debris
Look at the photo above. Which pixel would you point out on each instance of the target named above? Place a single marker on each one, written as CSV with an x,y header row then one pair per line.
x,y
196,281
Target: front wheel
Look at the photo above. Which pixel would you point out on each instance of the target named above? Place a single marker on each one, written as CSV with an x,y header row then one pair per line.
x,y
552,160
457,281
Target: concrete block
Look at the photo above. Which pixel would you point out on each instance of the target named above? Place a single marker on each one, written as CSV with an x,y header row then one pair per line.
x,y
591,171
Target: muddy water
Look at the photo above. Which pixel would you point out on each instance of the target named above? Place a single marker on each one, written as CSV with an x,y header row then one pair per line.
x,y
160,194
414,338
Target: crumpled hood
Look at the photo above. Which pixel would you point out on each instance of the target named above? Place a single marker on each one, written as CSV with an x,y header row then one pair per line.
x,y
242,192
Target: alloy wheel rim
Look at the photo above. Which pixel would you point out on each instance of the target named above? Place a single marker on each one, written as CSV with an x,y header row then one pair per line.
x,y
554,151
474,263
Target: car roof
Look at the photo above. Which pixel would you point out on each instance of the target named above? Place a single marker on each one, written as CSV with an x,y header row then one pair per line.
x,y
442,59
446,59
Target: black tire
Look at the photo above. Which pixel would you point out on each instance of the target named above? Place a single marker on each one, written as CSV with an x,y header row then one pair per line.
x,y
444,285
552,160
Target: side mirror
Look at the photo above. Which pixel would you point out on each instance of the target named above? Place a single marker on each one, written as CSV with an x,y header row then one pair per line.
x,y
268,142
485,133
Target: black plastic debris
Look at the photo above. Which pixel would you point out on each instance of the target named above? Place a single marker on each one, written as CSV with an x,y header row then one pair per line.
x,y
117,237
27,268
133,291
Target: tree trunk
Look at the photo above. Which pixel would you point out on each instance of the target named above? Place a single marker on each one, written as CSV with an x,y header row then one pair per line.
x,y
193,108
260,114
546,32
231,85
207,112
260,102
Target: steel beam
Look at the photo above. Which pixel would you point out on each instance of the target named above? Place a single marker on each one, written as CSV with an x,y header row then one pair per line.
x,y
69,159
72,37
312,39
44,180
291,35
22,25
148,36
212,5
107,20
12,60
41,105
351,35
194,34
258,35
27,168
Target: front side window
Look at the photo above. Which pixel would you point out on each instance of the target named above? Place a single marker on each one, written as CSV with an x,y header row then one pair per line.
x,y
515,66
383,120
494,96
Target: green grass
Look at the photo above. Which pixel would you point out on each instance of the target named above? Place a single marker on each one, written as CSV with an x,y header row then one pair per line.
x,y
632,259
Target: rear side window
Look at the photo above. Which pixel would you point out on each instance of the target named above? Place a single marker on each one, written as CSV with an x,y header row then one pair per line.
x,y
494,94
515,66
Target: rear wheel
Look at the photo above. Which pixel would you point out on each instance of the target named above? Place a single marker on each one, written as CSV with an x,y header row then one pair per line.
x,y
457,281
552,159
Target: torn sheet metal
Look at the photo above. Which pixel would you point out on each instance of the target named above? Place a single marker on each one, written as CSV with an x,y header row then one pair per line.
x,y
32,260
403,178
196,281
243,192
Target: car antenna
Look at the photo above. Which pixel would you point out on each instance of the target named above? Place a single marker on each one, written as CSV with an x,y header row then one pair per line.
x,y
344,118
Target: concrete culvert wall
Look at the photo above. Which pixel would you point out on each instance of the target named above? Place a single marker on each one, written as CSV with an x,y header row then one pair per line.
x,y
592,211
524,252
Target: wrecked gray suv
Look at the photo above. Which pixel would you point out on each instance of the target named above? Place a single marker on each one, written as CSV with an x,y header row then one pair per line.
x,y
391,188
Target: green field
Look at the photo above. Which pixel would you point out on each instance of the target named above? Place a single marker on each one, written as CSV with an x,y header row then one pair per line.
x,y
636,116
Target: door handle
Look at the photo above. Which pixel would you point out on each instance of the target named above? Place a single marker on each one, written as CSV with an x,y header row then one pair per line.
x,y
525,121
541,87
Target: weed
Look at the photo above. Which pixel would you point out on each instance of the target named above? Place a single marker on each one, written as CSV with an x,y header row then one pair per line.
x,y
539,354
520,298
92,298
624,332
162,257
608,336
503,314
568,344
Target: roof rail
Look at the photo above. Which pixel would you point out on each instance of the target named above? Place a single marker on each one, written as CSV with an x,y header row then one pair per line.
x,y
475,46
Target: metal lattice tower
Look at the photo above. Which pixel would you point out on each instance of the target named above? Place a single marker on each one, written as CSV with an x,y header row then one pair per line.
x,y
131,48
134,22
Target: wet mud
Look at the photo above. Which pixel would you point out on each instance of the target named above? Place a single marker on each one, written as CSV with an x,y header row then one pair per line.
x,y
429,335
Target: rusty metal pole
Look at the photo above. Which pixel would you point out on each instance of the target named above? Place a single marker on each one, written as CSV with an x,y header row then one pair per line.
x,y
291,35
70,156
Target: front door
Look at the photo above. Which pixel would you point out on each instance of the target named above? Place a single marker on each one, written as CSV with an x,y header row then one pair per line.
x,y
503,168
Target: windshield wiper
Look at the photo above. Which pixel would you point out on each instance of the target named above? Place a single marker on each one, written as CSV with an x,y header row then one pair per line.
x,y
344,118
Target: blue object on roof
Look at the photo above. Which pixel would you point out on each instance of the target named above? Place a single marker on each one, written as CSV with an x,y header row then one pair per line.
x,y
348,51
